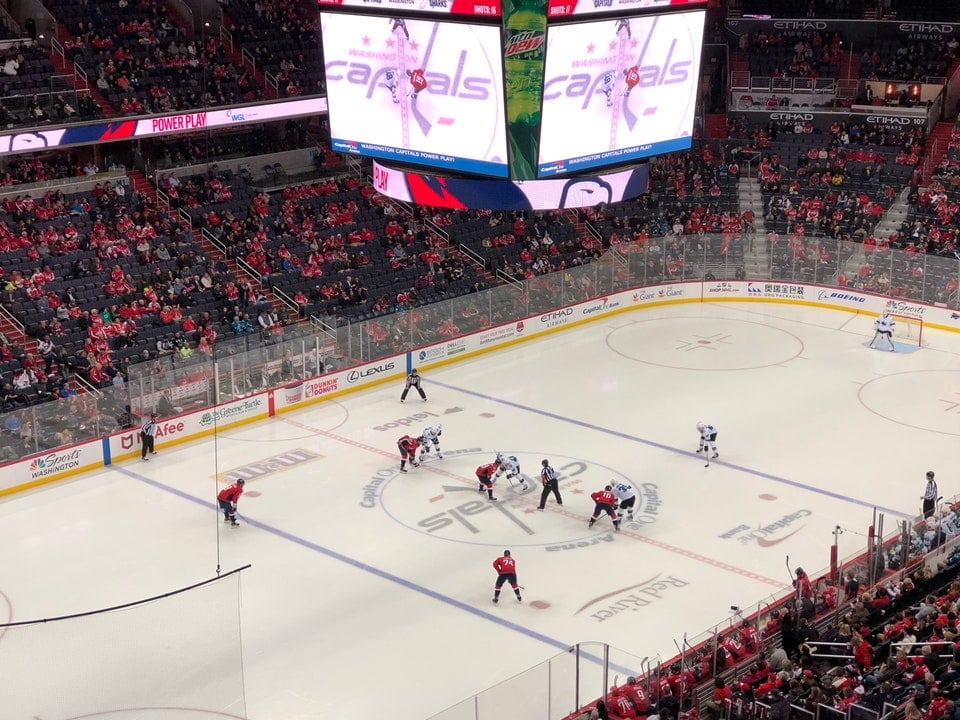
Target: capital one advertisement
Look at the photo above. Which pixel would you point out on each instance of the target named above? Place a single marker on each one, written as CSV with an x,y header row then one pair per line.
x,y
619,90
416,91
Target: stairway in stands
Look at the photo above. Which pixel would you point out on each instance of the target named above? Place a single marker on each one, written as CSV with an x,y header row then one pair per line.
x,y
849,66
67,68
715,126
142,185
236,57
178,19
937,145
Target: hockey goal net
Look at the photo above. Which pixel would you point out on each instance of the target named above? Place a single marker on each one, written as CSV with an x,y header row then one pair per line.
x,y
908,329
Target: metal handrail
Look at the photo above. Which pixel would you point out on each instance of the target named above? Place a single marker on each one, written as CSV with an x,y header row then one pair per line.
x,y
476,258
504,277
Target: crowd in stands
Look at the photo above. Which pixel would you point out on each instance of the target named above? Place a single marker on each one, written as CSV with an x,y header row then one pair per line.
x,y
828,649
804,8
143,62
283,40
910,61
806,54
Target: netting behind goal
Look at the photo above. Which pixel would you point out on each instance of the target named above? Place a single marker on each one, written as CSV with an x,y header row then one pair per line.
x,y
908,329
177,657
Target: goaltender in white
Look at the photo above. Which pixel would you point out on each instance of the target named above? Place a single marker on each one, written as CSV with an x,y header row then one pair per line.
x,y
884,328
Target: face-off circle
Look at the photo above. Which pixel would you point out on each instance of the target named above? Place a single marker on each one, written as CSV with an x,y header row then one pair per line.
x,y
682,344
444,502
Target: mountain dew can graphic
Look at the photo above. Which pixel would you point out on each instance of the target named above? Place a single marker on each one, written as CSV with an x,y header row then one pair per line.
x,y
525,35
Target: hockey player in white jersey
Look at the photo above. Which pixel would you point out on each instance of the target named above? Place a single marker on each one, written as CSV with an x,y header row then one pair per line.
x,y
626,497
884,328
431,436
511,466
391,81
708,440
607,84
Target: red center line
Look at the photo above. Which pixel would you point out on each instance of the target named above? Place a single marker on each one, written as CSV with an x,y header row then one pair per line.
x,y
528,499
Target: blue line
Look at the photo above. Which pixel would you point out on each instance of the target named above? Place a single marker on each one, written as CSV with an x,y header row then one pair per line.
x,y
370,569
670,449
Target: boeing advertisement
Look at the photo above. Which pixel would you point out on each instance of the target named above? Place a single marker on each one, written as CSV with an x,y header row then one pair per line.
x,y
416,91
619,90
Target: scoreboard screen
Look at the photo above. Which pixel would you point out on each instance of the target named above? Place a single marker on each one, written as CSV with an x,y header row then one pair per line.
x,y
416,91
618,90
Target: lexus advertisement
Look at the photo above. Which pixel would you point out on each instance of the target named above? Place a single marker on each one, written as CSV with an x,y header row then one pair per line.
x,y
618,90
416,91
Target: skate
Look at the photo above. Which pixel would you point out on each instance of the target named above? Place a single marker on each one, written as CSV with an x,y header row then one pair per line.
x,y
154,452
699,450
715,455
403,470
416,464
496,599
616,528
439,455
519,599
540,509
145,459
234,523
492,499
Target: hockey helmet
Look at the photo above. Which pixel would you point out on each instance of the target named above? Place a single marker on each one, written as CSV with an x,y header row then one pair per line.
x,y
413,371
439,429
700,426
609,487
631,680
799,571
500,458
241,482
506,553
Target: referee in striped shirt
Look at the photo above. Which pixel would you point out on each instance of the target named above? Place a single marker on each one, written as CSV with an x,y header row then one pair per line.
x,y
147,433
548,477
930,495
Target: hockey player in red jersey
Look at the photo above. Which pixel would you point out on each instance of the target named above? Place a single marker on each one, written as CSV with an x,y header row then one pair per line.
x,y
408,447
227,500
619,706
506,568
606,502
485,475
634,690
418,81
631,77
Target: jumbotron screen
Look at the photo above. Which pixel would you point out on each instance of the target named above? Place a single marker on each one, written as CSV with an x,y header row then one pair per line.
x,y
416,91
619,90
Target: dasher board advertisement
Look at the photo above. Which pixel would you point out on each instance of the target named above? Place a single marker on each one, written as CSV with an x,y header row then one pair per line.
x,y
416,91
619,90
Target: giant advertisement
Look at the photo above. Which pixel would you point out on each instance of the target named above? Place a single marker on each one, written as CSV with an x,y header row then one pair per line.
x,y
473,8
416,91
619,90
461,193
565,8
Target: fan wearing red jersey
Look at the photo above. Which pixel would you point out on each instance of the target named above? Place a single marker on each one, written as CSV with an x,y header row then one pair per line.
x,y
606,502
485,474
227,500
506,568
408,451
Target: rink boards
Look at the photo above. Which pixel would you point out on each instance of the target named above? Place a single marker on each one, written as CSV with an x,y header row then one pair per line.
x,y
46,467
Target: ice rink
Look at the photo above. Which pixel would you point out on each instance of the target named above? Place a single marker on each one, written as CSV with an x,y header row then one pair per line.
x,y
369,592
